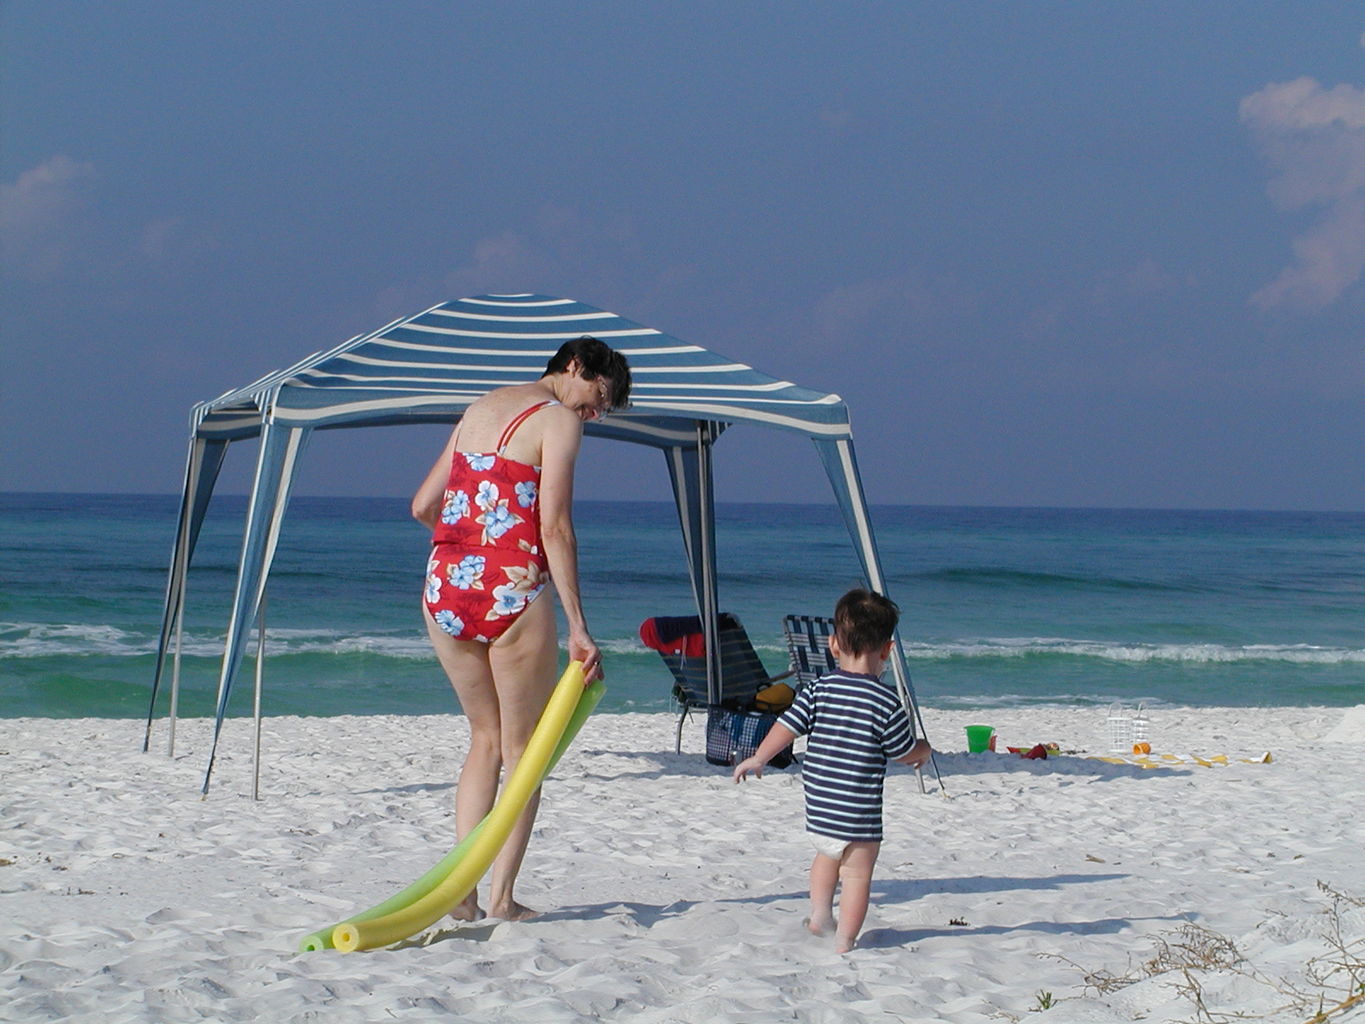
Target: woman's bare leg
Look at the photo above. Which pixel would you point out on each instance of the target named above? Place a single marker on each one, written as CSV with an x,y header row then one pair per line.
x,y
523,660
466,663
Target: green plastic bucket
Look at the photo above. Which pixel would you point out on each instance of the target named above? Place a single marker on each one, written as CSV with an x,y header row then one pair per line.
x,y
979,738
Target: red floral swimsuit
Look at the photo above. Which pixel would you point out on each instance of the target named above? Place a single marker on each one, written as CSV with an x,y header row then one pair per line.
x,y
486,563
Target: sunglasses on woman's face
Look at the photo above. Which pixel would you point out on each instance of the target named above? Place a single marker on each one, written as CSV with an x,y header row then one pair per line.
x,y
603,404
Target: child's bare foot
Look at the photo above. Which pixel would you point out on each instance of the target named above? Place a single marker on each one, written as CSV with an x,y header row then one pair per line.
x,y
819,925
513,911
845,944
468,910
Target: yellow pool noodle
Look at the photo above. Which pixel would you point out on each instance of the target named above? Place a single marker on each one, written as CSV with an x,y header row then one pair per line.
x,y
464,875
322,938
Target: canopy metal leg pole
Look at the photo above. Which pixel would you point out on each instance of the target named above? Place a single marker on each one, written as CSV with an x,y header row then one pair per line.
x,y
933,763
912,708
175,594
269,498
175,663
260,672
710,610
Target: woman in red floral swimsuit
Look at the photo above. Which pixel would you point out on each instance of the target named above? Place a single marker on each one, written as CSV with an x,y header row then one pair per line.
x,y
499,502
486,561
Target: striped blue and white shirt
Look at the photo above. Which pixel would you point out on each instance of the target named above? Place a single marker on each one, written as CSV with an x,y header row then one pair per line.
x,y
855,724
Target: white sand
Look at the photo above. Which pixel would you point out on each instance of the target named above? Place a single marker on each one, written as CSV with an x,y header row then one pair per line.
x,y
670,894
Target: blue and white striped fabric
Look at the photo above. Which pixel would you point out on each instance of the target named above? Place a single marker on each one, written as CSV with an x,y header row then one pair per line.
x,y
431,366
854,724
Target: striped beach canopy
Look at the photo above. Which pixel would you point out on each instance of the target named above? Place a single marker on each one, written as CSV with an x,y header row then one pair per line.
x,y
429,368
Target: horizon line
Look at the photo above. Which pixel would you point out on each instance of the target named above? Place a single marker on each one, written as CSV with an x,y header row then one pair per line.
x,y
799,504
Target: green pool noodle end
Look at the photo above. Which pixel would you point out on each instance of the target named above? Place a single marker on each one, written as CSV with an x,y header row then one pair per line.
x,y
421,891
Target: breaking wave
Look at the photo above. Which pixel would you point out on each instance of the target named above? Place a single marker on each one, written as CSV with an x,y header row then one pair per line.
x,y
41,640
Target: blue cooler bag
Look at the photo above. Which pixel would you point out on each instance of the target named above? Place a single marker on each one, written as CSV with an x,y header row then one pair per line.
x,y
732,736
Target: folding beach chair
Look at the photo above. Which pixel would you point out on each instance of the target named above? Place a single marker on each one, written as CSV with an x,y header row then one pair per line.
x,y
807,639
742,675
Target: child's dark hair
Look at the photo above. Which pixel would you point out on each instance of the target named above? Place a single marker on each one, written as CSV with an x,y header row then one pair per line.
x,y
865,620
597,359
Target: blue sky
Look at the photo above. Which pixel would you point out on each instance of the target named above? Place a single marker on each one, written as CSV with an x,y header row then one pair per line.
x,y
1090,254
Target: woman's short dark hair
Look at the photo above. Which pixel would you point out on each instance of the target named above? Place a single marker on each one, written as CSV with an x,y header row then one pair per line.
x,y
597,359
865,620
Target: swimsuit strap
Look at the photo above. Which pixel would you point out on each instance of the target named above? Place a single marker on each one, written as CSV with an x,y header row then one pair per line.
x,y
518,420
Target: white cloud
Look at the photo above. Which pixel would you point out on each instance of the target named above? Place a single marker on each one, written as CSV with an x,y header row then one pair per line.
x,y
562,248
1106,295
1144,278
498,261
172,240
835,118
909,299
1313,139
557,251
39,215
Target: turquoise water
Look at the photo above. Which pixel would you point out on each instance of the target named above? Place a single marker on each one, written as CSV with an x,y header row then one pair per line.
x,y
1000,606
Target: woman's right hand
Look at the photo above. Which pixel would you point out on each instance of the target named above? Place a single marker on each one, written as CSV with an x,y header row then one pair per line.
x,y
582,649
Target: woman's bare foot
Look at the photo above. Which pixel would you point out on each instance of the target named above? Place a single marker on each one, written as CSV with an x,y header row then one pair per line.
x,y
468,910
512,911
819,925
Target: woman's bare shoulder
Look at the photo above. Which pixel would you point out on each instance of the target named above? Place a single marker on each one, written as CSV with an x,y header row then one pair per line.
x,y
512,396
486,417
553,421
559,415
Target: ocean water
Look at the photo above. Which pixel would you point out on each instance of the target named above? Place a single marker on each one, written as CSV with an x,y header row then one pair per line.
x,y
999,606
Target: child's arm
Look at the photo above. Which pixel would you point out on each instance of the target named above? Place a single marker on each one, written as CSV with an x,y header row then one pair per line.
x,y
917,754
779,738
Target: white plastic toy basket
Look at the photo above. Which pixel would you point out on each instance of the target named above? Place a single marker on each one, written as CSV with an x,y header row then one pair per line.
x,y
1118,730
1141,732
1123,727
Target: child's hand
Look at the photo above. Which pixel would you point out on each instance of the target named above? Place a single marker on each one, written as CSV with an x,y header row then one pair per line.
x,y
750,764
918,754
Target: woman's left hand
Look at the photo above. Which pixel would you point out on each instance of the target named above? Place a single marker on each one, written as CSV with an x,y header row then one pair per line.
x,y
583,649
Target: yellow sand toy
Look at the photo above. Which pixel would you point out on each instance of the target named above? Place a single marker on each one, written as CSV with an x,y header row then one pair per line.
x,y
442,888
1146,759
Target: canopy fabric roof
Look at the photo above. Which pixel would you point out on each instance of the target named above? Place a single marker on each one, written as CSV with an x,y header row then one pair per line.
x,y
431,366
